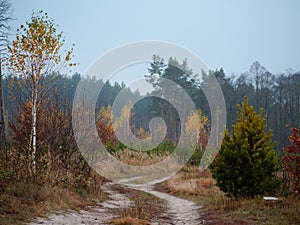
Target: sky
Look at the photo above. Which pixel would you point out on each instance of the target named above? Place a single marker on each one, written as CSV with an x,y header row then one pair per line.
x,y
231,34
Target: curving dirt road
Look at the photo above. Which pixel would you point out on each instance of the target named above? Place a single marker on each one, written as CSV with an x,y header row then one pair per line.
x,y
179,211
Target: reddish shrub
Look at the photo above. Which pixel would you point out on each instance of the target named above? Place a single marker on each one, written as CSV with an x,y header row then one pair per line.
x,y
291,159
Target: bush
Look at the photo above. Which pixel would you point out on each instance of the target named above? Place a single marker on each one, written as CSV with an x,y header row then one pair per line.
x,y
246,163
291,159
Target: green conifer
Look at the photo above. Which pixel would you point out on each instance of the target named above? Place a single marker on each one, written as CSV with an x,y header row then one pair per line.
x,y
246,163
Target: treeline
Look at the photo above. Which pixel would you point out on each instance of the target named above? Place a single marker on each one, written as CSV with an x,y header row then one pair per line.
x,y
278,95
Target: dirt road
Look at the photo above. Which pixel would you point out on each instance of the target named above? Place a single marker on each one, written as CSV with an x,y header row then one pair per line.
x,y
178,211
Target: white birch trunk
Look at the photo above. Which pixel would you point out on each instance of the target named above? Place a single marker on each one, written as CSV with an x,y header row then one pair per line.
x,y
34,115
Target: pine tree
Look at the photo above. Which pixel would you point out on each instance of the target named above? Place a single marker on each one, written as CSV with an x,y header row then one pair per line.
x,y
246,163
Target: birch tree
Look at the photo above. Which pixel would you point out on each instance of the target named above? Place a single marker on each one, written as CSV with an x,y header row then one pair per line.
x,y
34,53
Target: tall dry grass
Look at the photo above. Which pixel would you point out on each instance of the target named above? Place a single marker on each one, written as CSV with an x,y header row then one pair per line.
x,y
199,186
129,221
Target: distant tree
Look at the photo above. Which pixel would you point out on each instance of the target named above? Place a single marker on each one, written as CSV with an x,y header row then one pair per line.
x,y
257,72
198,123
227,89
121,123
160,75
156,70
246,163
35,53
284,106
105,127
291,159
5,19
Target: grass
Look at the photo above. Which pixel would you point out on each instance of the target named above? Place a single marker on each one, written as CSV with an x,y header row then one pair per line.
x,y
21,201
138,158
136,164
144,209
200,187
129,221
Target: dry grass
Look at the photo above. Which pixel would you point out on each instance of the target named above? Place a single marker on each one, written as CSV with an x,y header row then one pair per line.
x,y
136,164
129,221
192,184
200,187
137,158
22,201
145,207
195,185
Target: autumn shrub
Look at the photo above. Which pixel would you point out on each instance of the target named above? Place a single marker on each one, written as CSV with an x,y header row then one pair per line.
x,y
105,128
291,160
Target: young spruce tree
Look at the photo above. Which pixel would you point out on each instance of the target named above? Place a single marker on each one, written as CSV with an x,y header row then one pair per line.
x,y
246,163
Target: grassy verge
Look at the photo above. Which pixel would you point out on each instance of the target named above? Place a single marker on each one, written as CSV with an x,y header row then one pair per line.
x,y
200,187
21,201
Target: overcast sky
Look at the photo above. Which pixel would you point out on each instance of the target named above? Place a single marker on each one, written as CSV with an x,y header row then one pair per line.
x,y
229,34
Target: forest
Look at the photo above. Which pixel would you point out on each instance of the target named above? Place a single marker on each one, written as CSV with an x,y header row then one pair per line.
x,y
277,94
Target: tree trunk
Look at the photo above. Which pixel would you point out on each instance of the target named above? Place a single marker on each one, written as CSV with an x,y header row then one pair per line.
x,y
2,118
171,122
33,133
162,109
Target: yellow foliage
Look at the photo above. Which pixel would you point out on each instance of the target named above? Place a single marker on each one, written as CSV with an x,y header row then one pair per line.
x,y
196,125
35,51
196,121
